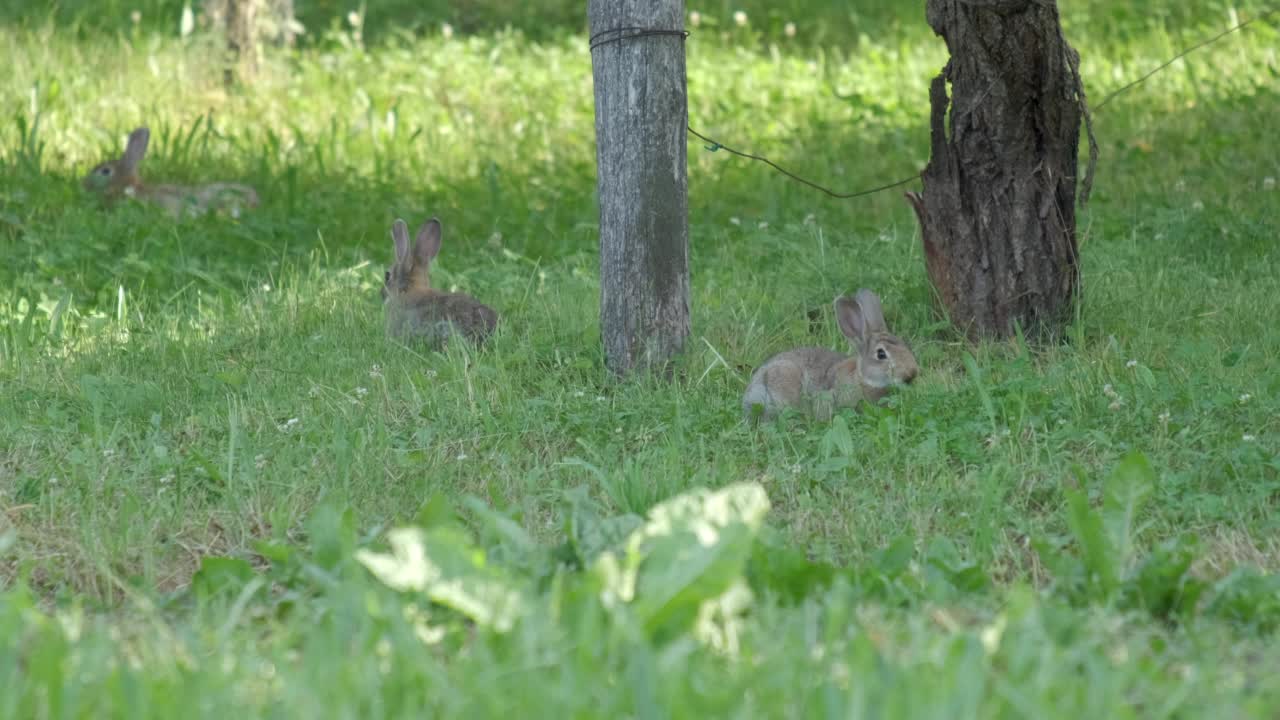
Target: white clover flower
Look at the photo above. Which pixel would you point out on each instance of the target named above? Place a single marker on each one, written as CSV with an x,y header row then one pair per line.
x,y
1268,183
695,18
1248,438
789,29
362,391
739,18
1245,398
1115,405
1164,417
375,371
1197,205
579,393
764,225
288,425
446,30
462,456
1131,364
734,221
259,461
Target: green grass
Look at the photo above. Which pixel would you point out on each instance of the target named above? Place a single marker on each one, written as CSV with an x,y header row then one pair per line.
x,y
202,426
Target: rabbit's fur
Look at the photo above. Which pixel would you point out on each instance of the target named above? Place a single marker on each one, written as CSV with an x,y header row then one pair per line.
x,y
114,179
416,310
818,381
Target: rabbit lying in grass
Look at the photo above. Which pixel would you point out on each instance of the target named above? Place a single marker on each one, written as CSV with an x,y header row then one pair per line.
x,y
118,178
818,381
416,310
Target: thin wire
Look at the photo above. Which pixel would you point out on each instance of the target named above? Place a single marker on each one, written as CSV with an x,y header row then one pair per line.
x,y
1186,52
636,32
714,146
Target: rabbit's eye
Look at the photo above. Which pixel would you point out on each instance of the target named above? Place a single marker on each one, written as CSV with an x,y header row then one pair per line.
x,y
104,170
881,354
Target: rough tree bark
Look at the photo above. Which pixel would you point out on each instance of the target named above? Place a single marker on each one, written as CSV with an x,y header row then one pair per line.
x,y
242,40
641,114
275,20
997,215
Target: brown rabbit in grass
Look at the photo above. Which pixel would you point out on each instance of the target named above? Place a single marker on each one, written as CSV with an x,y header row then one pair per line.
x,y
415,309
118,178
818,381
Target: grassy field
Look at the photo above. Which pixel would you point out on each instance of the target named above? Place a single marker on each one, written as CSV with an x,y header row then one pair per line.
x,y
206,442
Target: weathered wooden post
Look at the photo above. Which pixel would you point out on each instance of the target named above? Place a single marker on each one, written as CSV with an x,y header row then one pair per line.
x,y
997,215
638,67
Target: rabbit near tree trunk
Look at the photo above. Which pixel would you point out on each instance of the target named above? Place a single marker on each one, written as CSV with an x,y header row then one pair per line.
x,y
997,214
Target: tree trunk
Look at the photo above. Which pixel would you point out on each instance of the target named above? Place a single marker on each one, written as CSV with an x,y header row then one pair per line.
x,y
997,215
285,23
275,20
641,114
242,40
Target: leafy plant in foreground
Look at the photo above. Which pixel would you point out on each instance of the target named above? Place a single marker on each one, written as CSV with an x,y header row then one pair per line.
x,y
679,571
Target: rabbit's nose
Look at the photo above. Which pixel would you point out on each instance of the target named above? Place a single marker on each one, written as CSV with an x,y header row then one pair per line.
x,y
909,374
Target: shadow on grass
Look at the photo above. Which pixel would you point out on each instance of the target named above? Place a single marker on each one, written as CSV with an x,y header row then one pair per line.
x,y
536,214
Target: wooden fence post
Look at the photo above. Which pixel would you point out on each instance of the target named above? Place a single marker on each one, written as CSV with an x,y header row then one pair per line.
x,y
641,114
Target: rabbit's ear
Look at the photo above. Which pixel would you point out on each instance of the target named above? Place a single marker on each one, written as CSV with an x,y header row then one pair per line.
x,y
851,320
869,302
427,244
400,236
136,149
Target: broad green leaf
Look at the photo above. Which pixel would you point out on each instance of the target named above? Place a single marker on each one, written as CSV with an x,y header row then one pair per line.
x,y
592,536
1096,551
436,511
1248,597
692,550
896,558
218,575
781,569
837,441
1127,488
444,566
679,574
943,562
703,512
1162,586
503,526
721,620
